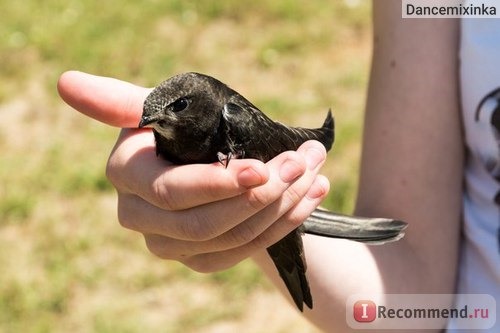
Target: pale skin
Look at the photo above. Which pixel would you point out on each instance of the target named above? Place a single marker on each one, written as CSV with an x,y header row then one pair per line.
x,y
210,218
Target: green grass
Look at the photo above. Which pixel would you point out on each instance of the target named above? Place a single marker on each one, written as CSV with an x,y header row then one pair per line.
x,y
66,263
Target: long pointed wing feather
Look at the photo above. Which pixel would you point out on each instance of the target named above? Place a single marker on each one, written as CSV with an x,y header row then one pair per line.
x,y
264,137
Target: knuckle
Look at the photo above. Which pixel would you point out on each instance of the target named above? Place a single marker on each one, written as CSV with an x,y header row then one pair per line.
x,y
113,170
157,248
168,248
283,227
125,221
258,200
116,170
126,215
200,264
211,187
208,263
165,197
240,235
263,241
197,227
294,218
293,195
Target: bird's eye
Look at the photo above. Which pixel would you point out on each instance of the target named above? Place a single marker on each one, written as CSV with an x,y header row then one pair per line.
x,y
180,104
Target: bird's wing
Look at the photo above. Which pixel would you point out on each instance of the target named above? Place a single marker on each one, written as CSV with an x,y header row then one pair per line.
x,y
373,231
252,131
288,257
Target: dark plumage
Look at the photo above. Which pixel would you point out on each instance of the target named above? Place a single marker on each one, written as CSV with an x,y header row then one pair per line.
x,y
198,119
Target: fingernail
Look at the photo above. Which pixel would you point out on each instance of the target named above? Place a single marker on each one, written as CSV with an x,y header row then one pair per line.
x,y
290,170
249,177
314,157
319,188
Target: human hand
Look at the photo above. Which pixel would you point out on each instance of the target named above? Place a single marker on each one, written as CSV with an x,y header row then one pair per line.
x,y
203,215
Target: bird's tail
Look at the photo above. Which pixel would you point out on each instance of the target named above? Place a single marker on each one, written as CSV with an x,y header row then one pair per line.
x,y
374,231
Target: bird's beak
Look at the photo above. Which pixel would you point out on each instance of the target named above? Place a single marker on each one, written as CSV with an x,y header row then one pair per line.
x,y
146,120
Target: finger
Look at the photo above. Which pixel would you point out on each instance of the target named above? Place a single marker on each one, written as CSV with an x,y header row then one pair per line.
x,y
216,261
250,232
111,101
173,187
210,220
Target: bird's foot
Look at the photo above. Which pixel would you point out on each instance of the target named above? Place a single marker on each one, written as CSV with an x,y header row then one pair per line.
x,y
224,159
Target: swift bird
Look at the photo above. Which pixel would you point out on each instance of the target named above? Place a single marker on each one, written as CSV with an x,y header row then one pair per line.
x,y
198,119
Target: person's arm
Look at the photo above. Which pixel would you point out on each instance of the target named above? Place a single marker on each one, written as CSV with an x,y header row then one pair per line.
x,y
411,169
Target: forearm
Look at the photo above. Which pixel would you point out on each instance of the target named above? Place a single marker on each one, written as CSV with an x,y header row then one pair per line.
x,y
338,269
412,161
411,169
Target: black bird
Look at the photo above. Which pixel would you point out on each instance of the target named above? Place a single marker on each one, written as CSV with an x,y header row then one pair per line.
x,y
198,119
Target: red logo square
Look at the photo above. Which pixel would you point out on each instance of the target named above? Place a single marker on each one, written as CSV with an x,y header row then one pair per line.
x,y
364,311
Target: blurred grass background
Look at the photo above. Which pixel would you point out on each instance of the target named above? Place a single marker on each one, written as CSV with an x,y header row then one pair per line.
x,y
66,264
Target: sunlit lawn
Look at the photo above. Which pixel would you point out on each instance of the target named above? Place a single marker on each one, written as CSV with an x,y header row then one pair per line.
x,y
66,264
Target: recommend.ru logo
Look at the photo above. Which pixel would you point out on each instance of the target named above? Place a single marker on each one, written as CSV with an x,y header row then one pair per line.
x,y
429,311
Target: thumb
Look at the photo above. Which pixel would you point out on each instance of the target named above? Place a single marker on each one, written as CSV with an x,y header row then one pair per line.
x,y
111,101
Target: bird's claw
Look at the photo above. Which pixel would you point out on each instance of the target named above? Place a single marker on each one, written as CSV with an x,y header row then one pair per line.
x,y
224,159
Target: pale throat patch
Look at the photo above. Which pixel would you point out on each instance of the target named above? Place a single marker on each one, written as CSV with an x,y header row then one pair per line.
x,y
167,133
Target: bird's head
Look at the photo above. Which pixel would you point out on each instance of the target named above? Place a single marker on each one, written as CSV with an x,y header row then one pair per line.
x,y
184,100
